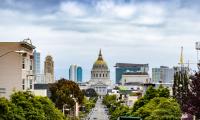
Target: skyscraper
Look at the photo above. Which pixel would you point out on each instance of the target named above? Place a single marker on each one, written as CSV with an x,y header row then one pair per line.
x,y
122,68
163,74
79,74
49,69
36,66
75,73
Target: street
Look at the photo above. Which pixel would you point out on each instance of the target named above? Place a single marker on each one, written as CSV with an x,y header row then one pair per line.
x,y
98,112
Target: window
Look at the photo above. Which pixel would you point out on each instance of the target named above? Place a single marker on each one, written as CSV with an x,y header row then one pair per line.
x,y
103,75
23,84
31,84
99,75
23,63
96,75
31,64
2,91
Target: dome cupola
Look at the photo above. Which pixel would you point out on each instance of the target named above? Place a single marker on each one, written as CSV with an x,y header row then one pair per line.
x,y
100,63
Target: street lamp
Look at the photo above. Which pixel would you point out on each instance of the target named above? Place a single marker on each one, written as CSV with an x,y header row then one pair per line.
x,y
18,51
65,105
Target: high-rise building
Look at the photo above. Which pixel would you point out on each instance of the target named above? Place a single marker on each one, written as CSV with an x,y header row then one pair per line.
x,y
16,61
75,73
163,74
72,72
79,74
36,66
49,69
122,68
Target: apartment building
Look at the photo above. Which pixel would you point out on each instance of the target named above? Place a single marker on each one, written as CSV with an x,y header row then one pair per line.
x,y
16,67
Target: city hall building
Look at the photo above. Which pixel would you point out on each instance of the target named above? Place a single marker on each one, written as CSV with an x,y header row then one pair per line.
x,y
100,76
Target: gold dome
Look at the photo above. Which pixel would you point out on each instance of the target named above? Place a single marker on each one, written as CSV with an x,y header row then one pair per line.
x,y
100,63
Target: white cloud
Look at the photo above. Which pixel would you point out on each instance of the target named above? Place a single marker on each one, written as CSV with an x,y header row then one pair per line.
x,y
72,9
136,33
110,9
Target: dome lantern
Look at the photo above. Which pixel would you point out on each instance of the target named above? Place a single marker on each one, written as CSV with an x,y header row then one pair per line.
x,y
100,63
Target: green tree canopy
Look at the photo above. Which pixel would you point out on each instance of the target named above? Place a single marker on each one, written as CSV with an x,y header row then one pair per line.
x,y
90,92
150,94
26,106
109,99
9,111
65,92
159,108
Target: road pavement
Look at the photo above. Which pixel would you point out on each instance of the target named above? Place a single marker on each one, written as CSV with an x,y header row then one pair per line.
x,y
99,112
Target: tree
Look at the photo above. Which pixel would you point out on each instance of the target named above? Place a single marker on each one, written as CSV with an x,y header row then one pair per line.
x,y
138,104
26,106
180,88
193,104
150,94
159,108
89,104
163,92
115,107
31,107
90,92
50,111
8,111
65,92
109,99
119,111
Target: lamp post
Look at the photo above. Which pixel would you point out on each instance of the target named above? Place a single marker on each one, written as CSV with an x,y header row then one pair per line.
x,y
20,52
65,105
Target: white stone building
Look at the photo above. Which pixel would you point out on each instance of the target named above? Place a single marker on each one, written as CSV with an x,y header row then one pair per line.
x,y
100,76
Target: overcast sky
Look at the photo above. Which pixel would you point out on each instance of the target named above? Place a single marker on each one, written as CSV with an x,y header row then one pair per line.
x,y
133,31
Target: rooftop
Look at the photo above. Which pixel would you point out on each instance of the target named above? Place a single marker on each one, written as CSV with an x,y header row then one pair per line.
x,y
130,65
135,73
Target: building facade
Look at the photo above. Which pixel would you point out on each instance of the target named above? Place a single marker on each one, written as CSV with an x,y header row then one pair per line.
x,y
16,61
121,68
163,74
75,73
79,74
49,69
135,78
36,67
100,76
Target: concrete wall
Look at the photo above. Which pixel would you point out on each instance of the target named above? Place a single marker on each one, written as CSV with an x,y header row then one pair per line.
x,y
11,72
134,78
10,69
42,92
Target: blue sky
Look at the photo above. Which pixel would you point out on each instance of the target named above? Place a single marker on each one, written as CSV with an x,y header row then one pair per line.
x,y
133,31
